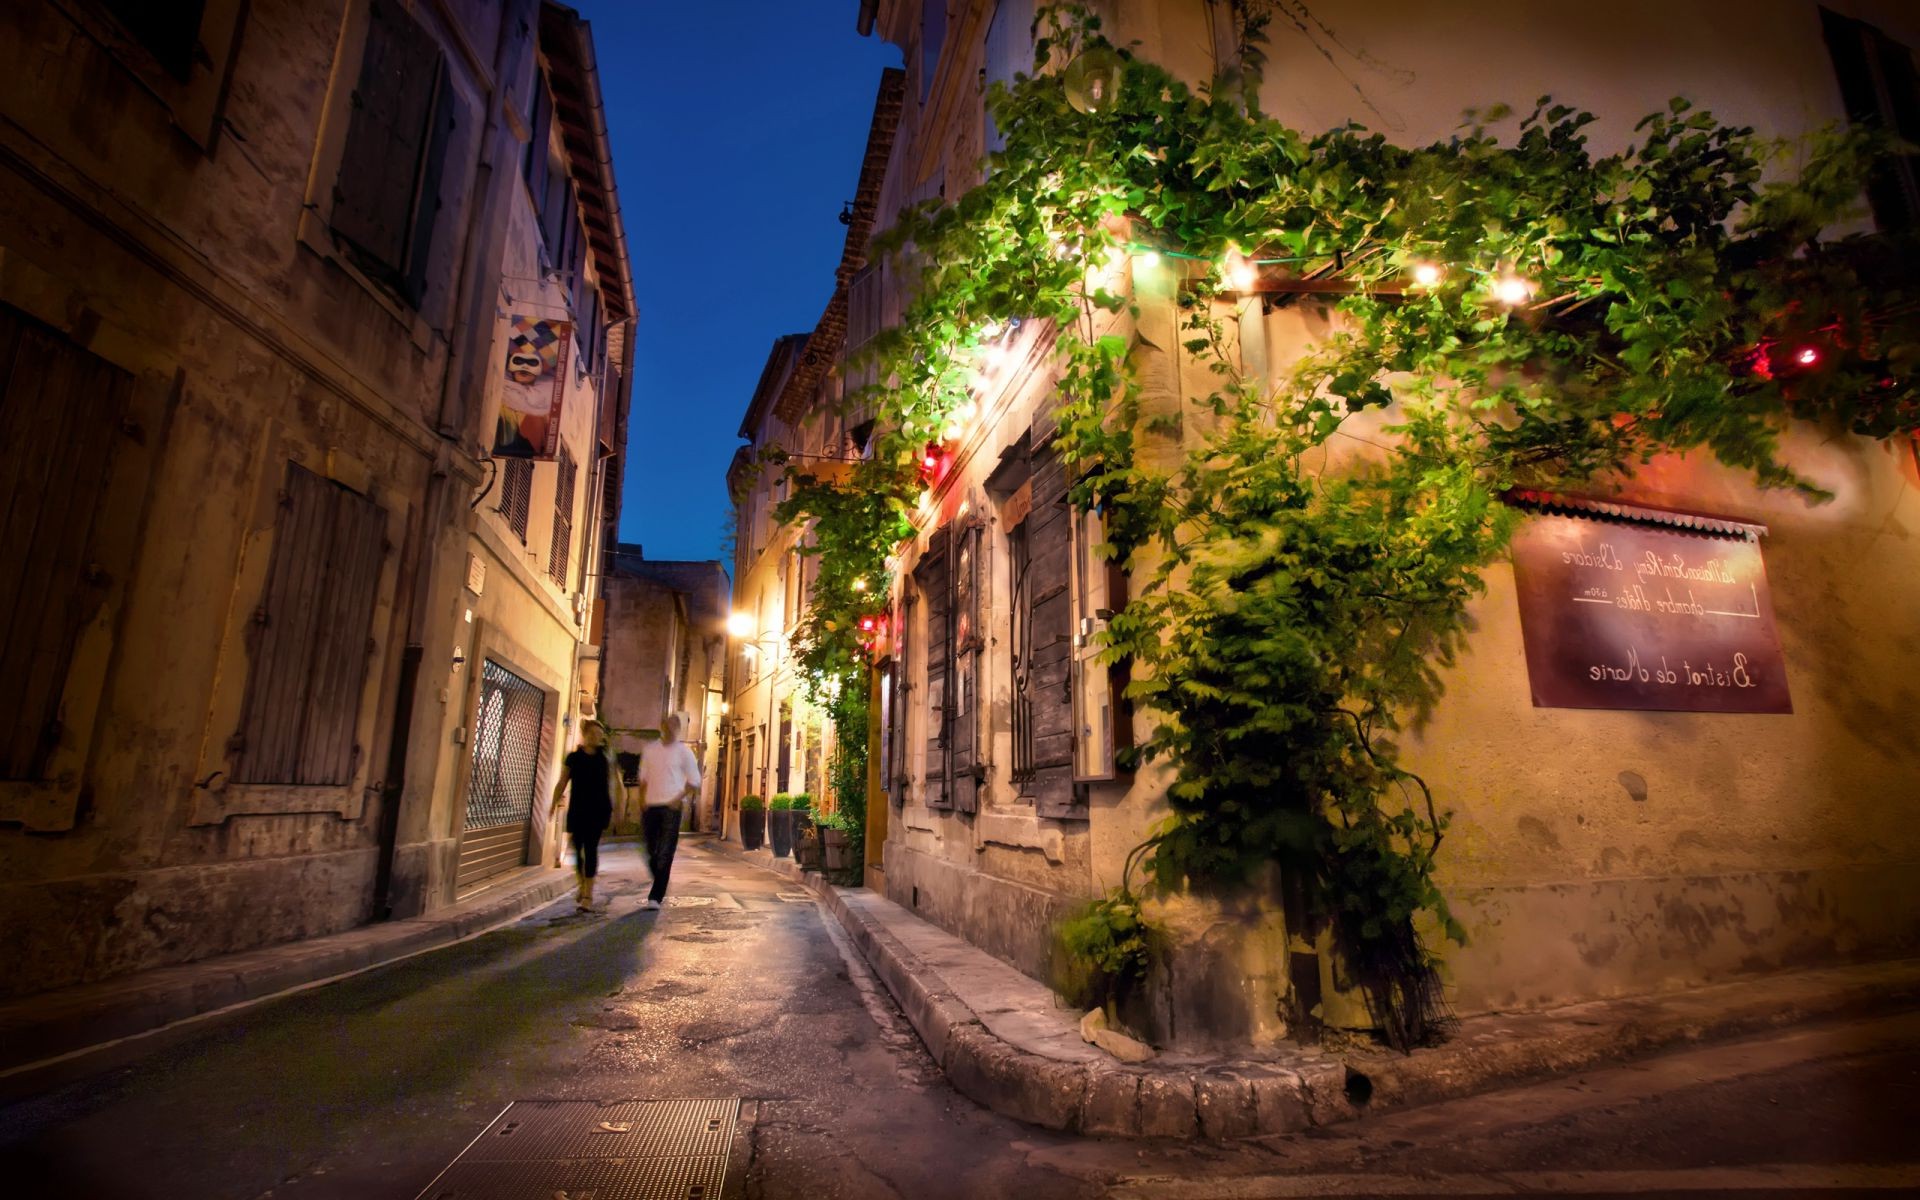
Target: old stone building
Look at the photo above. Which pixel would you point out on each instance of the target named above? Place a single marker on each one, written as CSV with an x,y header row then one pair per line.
x,y
1595,851
663,651
293,621
777,739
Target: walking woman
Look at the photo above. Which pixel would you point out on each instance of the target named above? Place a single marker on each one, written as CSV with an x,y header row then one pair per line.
x,y
595,787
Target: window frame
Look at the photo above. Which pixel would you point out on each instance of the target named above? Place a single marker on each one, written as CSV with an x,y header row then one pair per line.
x,y
219,797
197,104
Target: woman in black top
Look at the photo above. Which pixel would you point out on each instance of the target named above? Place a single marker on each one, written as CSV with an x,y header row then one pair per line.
x,y
595,784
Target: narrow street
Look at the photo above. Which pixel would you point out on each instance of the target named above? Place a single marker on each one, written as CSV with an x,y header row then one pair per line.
x,y
370,1086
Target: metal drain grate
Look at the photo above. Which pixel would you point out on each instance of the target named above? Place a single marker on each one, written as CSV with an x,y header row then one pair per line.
x,y
653,1150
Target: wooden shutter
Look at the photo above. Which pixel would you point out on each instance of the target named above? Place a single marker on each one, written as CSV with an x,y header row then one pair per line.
x,y
390,141
933,577
427,204
1049,683
562,548
963,767
516,494
902,688
311,637
1881,90
61,429
534,167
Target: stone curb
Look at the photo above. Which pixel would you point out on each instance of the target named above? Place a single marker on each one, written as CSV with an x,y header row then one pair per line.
x,y
1236,1099
35,1030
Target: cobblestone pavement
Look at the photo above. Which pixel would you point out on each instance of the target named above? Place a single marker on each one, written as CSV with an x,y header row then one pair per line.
x,y
367,1087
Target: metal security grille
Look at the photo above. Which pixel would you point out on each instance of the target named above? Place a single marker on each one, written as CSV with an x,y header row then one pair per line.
x,y
516,494
506,748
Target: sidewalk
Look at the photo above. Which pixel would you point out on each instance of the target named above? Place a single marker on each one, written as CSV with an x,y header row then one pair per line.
x,y
1003,1041
36,1031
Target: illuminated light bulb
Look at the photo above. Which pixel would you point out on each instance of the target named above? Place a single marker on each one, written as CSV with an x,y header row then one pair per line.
x,y
1239,273
1148,260
859,585
1426,274
1806,356
740,625
1512,290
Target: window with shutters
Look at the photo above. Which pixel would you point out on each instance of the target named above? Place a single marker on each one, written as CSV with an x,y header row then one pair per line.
x,y
898,772
169,29
1049,608
65,544
310,639
1881,90
1020,659
386,195
933,581
181,52
516,494
562,547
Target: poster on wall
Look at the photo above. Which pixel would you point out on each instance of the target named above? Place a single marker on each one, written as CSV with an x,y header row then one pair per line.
x,y
535,388
1627,615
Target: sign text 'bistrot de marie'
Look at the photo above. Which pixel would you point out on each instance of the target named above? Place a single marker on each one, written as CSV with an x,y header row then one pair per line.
x,y
1623,615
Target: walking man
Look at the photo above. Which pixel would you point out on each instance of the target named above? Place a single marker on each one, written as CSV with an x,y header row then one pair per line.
x,y
671,776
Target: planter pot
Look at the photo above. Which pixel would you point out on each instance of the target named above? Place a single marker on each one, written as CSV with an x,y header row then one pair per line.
x,y
753,829
806,848
780,831
839,853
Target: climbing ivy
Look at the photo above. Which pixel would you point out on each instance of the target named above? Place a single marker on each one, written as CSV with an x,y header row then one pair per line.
x,y
1503,308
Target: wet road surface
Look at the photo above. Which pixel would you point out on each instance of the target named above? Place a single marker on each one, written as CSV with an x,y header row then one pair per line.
x,y
368,1087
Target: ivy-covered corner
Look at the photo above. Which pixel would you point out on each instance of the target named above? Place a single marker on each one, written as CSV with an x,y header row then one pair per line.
x,y
1507,308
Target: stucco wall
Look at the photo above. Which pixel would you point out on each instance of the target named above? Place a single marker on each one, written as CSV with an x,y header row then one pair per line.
x,y
1762,841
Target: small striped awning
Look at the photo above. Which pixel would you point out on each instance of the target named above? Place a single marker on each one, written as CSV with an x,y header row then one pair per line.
x,y
1639,514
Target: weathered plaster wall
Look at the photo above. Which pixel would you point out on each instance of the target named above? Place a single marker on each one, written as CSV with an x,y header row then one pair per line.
x,y
163,260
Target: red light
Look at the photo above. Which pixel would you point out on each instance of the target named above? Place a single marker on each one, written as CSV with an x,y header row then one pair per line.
x,y
1806,356
929,462
866,623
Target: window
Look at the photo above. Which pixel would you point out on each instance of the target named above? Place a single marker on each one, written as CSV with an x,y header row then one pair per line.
x,y
1020,657
63,543
560,551
1009,52
387,193
169,31
516,493
1049,638
311,637
1881,90
933,33
931,577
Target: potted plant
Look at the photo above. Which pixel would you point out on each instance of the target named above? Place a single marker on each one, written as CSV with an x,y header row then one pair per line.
x,y
780,825
806,838
753,822
837,832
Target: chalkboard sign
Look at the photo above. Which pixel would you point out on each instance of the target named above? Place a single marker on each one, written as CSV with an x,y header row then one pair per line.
x,y
1632,616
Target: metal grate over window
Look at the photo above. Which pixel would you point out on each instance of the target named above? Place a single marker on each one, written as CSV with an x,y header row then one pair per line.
x,y
506,748
516,494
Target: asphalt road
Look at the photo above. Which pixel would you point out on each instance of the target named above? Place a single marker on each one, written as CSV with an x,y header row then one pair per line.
x,y
367,1087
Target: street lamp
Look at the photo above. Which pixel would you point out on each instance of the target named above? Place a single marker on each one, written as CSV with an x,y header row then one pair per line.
x,y
740,625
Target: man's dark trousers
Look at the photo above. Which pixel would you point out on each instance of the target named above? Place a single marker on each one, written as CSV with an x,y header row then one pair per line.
x,y
660,825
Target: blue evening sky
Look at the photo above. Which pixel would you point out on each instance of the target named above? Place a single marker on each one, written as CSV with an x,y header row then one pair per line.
x,y
738,127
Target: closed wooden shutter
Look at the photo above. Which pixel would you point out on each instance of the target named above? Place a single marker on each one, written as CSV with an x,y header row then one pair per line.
x,y
61,428
516,494
963,774
561,550
1049,549
933,578
900,773
311,637
1881,90
391,135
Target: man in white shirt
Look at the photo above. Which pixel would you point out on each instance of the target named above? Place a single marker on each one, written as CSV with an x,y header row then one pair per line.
x,y
669,776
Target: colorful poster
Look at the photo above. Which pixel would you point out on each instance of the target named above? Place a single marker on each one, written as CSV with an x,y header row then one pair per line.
x,y
535,388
